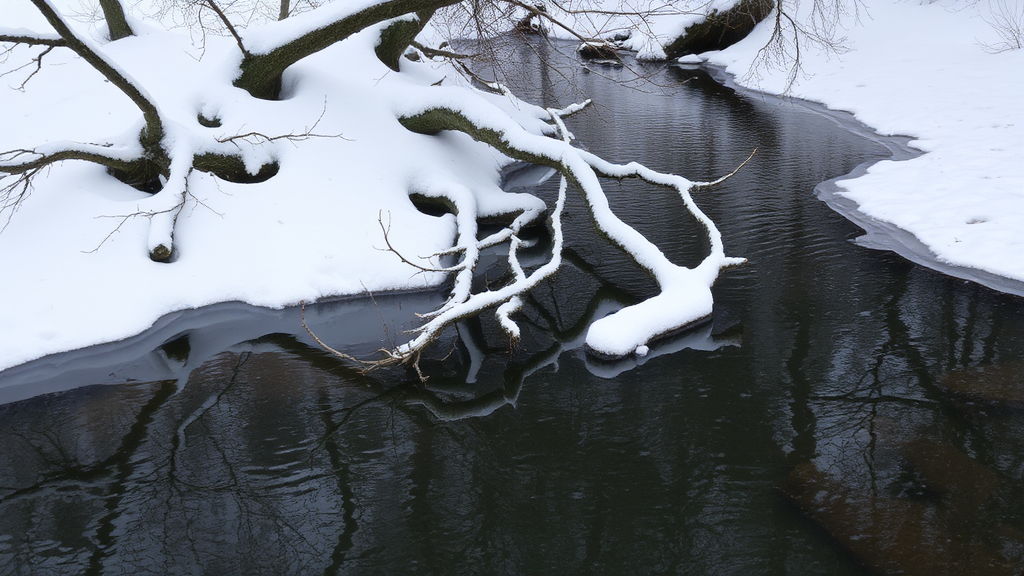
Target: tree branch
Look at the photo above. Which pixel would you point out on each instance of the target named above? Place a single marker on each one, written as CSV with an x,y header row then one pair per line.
x,y
32,39
437,53
38,61
261,72
685,297
12,161
24,165
154,125
227,23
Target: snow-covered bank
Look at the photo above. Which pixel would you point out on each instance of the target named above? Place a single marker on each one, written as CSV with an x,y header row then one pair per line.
x,y
928,71
74,269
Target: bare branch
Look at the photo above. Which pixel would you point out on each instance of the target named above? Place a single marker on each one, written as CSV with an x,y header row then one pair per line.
x,y
543,14
727,176
227,23
38,61
258,137
438,53
387,230
1007,20
255,138
322,344
33,40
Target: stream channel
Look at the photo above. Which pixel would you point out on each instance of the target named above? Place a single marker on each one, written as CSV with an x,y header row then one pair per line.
x,y
847,412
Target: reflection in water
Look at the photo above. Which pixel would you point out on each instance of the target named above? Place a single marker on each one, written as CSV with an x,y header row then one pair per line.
x,y
845,413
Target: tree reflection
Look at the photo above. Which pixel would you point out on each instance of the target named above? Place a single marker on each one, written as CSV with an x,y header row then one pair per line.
x,y
893,478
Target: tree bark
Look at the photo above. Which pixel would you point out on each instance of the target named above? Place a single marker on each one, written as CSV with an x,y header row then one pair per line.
x,y
435,120
720,29
155,161
117,24
396,38
261,72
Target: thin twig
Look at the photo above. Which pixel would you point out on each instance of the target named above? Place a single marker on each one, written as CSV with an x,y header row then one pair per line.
x,y
38,61
302,317
727,176
387,230
230,27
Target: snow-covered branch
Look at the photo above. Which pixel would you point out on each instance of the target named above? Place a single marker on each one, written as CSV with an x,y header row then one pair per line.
x,y
685,298
23,165
85,48
20,36
277,45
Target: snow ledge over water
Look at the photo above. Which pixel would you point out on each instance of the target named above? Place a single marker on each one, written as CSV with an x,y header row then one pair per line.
x,y
958,207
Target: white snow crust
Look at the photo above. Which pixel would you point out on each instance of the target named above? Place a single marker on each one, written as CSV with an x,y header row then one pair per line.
x,y
931,71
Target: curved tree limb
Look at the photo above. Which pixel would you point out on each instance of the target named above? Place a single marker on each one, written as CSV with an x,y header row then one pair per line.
x,y
21,161
262,69
227,24
399,35
154,130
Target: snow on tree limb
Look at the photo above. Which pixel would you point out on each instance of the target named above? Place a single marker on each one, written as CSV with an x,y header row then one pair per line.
x,y
110,70
277,45
28,37
685,298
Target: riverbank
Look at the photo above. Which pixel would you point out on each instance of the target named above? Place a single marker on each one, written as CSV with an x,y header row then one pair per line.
x,y
945,84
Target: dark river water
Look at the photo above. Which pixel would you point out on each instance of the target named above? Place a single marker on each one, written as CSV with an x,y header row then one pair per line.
x,y
847,412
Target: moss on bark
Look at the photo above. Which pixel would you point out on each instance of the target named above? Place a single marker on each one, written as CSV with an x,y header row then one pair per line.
x,y
435,120
232,168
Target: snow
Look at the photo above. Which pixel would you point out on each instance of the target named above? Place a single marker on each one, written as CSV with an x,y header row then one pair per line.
x,y
651,24
74,260
941,82
73,257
